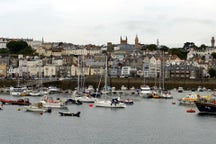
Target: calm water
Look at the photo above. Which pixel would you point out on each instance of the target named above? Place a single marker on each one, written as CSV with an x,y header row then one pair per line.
x,y
148,121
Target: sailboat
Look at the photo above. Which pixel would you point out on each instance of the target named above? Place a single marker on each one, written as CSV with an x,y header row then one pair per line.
x,y
114,102
164,93
79,94
145,90
40,91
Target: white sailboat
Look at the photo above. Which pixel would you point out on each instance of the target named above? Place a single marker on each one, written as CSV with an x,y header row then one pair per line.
x,y
164,93
113,103
79,94
145,90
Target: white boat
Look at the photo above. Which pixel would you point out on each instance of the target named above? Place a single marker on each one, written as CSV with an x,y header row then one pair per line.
x,y
59,105
190,98
36,107
145,91
85,98
53,89
114,103
18,91
48,102
180,89
110,104
165,94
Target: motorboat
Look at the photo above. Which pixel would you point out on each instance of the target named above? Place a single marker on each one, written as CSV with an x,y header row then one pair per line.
x,y
145,91
59,105
85,98
37,107
165,94
24,101
113,103
70,114
18,91
52,89
180,89
127,101
190,98
206,105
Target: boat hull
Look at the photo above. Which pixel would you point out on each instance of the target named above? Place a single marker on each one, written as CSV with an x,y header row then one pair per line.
x,y
109,104
69,114
206,107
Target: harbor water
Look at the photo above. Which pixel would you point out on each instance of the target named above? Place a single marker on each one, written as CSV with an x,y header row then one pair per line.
x,y
147,121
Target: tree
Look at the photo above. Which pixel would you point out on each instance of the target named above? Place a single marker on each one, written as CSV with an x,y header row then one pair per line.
x,y
203,47
4,51
19,47
164,48
189,45
151,47
181,53
213,55
212,72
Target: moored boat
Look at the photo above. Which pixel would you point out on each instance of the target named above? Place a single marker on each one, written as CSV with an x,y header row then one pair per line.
x,y
70,114
190,98
37,107
180,89
145,91
206,106
114,103
24,101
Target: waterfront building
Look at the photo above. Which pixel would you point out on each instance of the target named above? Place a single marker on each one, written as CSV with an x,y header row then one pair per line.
x,y
182,71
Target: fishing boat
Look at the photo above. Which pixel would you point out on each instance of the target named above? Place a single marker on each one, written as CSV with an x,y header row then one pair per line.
x,y
206,106
24,101
70,114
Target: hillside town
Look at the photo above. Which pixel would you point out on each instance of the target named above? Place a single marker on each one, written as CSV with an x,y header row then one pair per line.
x,y
67,60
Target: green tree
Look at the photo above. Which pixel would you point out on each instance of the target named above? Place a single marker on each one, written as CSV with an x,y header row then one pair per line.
x,y
4,51
151,47
180,52
19,47
164,48
213,55
212,72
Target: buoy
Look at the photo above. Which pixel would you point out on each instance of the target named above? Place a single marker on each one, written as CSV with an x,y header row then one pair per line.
x,y
173,103
191,111
41,113
90,105
18,109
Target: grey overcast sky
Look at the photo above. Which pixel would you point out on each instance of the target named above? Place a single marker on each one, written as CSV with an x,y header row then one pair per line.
x,y
173,22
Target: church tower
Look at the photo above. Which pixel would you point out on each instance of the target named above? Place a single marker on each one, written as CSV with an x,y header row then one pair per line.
x,y
123,41
212,42
137,44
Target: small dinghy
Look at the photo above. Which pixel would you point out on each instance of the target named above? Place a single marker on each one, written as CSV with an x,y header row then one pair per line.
x,y
70,114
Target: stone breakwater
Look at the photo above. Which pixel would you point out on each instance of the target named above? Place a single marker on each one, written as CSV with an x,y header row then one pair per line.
x,y
117,83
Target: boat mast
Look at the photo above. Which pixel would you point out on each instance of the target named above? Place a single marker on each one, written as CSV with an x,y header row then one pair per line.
x,y
78,75
106,77
160,75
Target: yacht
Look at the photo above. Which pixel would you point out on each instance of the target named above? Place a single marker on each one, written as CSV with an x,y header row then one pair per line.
x,y
145,91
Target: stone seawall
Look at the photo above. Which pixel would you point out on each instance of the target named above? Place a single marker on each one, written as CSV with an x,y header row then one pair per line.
x,y
118,82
